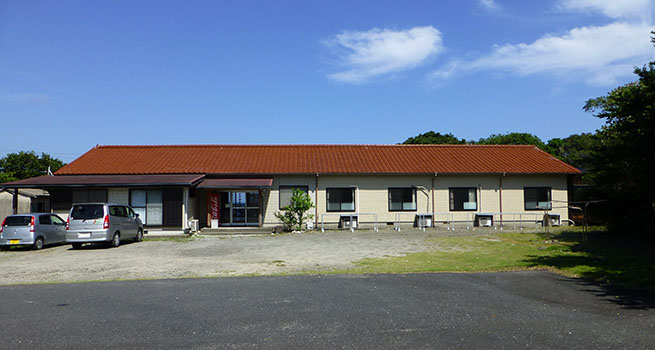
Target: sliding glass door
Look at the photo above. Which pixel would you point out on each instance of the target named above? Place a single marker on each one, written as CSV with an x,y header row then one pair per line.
x,y
239,208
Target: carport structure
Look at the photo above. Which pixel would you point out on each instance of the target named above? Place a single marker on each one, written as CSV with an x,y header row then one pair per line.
x,y
68,189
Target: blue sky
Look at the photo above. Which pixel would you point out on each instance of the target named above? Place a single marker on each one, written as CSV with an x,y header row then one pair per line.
x,y
74,74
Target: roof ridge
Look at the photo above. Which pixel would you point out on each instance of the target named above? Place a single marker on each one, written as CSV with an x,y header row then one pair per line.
x,y
305,145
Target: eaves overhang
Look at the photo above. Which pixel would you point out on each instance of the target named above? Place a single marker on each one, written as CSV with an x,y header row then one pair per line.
x,y
72,181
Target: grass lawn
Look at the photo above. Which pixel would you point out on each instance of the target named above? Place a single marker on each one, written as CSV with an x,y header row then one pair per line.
x,y
605,258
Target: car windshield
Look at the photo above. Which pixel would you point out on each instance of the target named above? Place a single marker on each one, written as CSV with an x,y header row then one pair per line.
x,y
18,220
87,211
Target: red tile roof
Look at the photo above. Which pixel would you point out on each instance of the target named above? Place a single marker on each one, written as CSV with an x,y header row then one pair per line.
x,y
312,159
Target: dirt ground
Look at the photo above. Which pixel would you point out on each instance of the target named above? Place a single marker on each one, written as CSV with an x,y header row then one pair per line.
x,y
210,256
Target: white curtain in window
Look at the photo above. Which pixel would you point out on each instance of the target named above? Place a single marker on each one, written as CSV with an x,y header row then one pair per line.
x,y
285,196
155,206
411,205
471,203
142,213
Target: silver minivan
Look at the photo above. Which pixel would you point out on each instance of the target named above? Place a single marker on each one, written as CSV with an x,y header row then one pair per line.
x,y
102,222
32,229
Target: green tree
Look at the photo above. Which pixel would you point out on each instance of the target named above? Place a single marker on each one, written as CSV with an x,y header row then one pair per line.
x,y
294,215
23,165
436,138
576,149
624,160
513,138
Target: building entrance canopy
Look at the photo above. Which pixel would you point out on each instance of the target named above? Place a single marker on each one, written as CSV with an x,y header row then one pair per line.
x,y
236,183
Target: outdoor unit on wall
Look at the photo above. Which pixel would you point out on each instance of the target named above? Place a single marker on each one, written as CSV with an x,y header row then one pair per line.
x,y
193,225
554,219
485,222
423,221
344,221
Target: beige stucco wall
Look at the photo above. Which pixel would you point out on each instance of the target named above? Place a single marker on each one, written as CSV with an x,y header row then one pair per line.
x,y
372,194
271,198
487,194
513,193
6,204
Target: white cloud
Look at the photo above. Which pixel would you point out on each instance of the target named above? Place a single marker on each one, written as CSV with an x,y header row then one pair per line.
x,y
635,9
597,55
40,98
489,4
376,52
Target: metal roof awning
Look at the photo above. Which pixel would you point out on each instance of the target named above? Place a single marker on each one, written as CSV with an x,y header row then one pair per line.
x,y
236,183
105,181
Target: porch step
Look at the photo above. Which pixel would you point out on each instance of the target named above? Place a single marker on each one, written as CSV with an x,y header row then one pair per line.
x,y
236,231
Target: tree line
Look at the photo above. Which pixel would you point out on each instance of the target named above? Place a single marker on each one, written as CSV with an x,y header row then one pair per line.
x,y
23,165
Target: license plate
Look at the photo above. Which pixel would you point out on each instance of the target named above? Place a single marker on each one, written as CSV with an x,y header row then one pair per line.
x,y
14,241
84,235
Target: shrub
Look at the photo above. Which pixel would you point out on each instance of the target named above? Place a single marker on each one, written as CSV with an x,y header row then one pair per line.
x,y
294,215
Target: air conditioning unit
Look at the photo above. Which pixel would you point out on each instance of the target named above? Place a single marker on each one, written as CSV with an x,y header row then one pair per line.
x,y
193,225
423,221
485,221
344,222
553,219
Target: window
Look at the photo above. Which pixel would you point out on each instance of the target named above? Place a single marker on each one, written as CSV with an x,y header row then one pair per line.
x,y
17,220
463,198
45,220
537,198
149,205
117,210
286,192
341,199
58,221
402,199
129,212
87,211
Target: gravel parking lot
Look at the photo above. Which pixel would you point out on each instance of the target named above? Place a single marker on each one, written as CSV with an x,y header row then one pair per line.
x,y
210,256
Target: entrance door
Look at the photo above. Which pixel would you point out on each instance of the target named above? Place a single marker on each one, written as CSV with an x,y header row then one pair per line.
x,y
238,200
240,209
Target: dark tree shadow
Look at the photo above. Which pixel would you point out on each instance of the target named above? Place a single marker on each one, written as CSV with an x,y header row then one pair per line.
x,y
618,269
639,299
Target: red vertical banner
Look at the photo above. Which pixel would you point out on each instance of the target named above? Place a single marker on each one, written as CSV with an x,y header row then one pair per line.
x,y
214,205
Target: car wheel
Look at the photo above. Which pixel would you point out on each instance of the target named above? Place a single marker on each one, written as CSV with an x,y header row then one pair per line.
x,y
38,244
77,245
139,236
116,240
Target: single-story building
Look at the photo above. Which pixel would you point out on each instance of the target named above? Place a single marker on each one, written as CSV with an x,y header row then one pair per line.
x,y
244,185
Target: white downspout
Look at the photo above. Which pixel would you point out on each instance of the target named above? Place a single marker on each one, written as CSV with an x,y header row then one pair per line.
x,y
357,199
185,208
